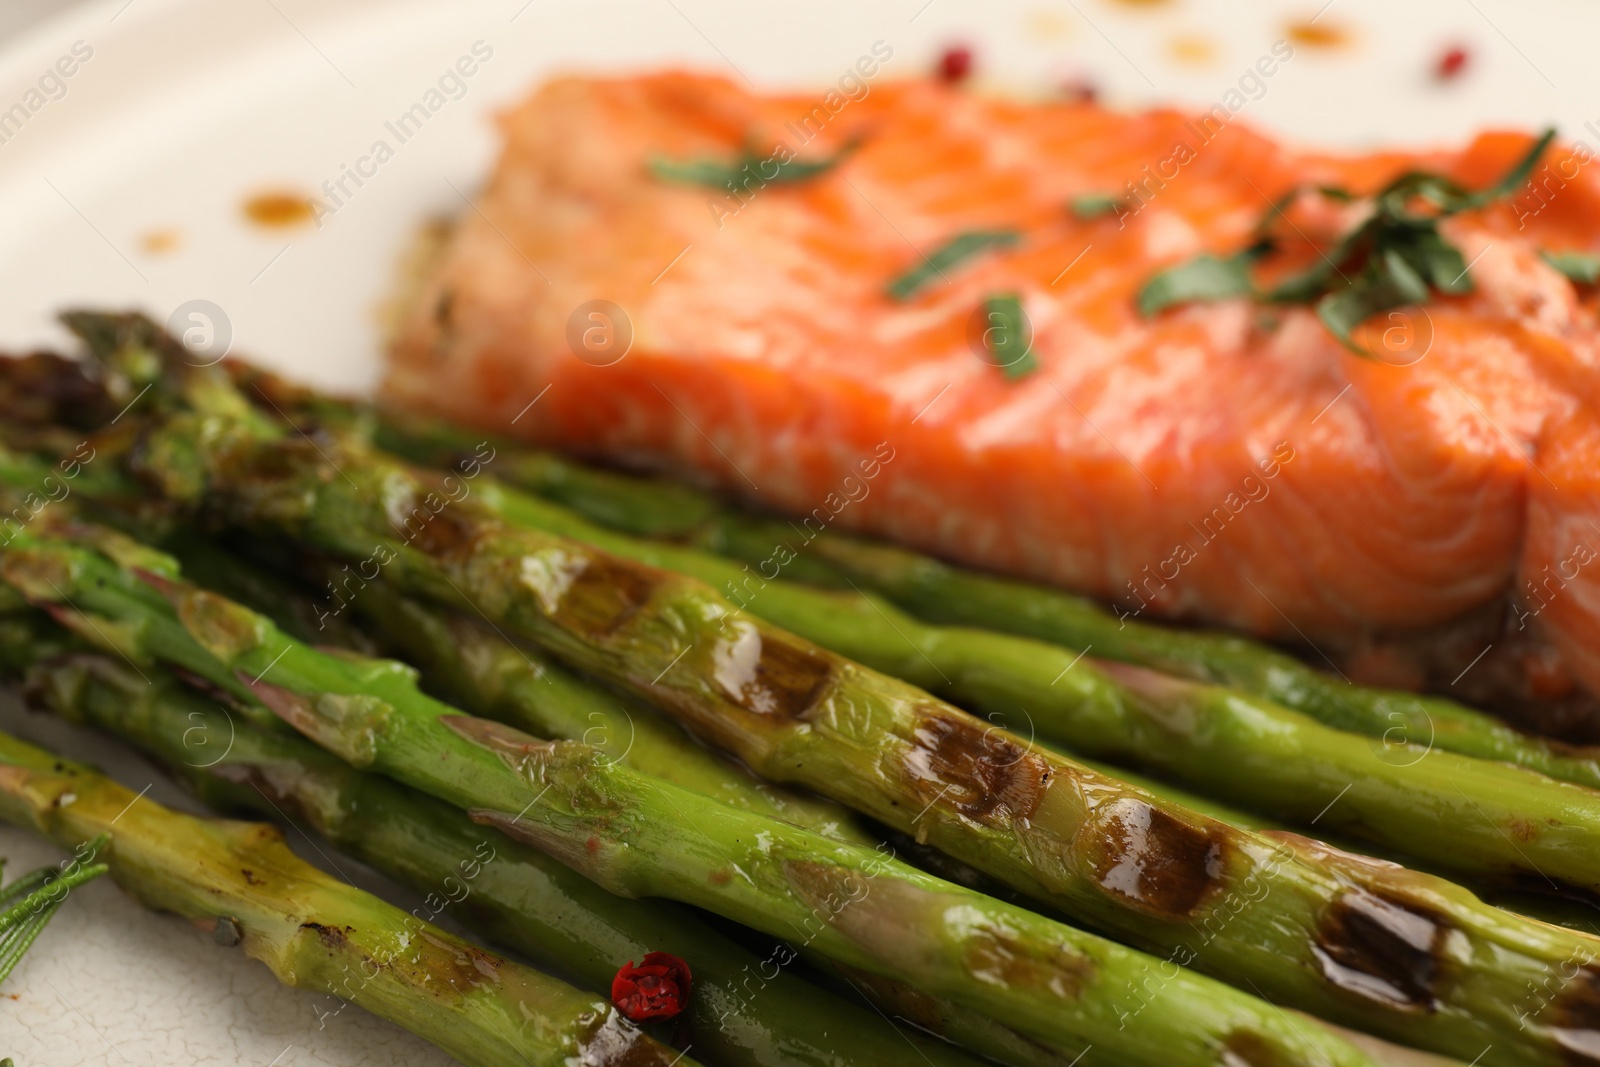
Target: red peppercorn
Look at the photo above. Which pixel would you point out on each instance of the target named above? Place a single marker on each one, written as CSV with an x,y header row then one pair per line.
x,y
658,988
955,65
1451,63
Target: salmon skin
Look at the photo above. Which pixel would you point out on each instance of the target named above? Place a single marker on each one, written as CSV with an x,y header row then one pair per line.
x,y
1227,462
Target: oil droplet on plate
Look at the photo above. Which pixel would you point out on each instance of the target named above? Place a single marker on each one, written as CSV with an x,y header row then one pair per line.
x,y
160,242
1317,34
1192,48
277,209
1046,25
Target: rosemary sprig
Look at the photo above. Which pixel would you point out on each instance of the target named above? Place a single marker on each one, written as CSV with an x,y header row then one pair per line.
x,y
958,249
30,902
1395,256
749,165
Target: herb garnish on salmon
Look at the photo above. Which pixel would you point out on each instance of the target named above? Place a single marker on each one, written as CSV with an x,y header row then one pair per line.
x,y
750,164
957,250
1392,258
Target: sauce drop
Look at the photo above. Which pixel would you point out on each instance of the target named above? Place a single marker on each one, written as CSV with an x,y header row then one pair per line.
x,y
1318,35
1191,48
278,210
160,242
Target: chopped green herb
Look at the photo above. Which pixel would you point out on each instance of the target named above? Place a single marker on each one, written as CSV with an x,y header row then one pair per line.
x,y
961,247
1387,282
1580,267
1008,335
1518,174
1204,277
750,165
1395,256
1280,205
1094,205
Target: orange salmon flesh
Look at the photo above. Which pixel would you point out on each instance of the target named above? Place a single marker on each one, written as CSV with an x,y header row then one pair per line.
x,y
1228,462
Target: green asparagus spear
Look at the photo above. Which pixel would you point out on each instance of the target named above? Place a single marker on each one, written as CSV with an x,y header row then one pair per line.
x,y
460,651
208,563
1510,822
940,592
478,669
314,932
1575,910
943,593
507,891
1376,946
637,836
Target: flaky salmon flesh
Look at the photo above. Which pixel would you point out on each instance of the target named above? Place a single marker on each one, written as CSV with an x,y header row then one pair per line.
x,y
1228,462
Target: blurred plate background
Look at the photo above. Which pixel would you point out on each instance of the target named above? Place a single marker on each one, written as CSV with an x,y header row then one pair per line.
x,y
127,181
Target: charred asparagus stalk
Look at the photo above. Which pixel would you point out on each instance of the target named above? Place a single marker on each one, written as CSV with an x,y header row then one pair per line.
x,y
1342,936
637,836
743,1009
1510,822
487,674
314,932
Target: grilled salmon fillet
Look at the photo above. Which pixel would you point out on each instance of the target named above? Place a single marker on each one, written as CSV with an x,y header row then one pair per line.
x,y
1224,461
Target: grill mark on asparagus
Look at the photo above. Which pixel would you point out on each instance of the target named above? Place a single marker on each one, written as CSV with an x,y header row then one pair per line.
x,y
983,773
42,388
769,676
332,937
271,464
440,533
1382,948
603,595
1575,1016
1153,860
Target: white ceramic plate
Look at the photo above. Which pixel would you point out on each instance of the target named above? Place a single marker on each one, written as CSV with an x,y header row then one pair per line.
x,y
176,111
